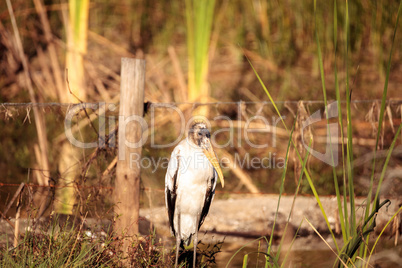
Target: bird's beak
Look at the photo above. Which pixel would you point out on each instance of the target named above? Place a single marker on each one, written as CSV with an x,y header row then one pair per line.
x,y
210,154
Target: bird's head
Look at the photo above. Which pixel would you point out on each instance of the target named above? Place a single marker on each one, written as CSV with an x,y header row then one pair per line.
x,y
201,137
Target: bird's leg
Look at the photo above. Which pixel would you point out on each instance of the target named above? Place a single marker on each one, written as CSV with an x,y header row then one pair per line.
x,y
195,247
178,239
177,249
196,241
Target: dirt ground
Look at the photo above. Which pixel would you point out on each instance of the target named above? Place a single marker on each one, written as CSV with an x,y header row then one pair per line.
x,y
239,220
250,217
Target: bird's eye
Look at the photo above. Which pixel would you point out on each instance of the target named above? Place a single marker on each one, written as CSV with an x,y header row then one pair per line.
x,y
199,134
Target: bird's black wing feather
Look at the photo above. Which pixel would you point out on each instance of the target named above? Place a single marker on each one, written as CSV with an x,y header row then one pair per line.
x,y
171,199
209,196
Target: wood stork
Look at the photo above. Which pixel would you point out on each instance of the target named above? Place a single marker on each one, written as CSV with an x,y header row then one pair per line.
x,y
190,185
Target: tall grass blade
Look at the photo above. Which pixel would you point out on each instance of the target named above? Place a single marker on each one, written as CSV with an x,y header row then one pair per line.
x,y
291,210
379,236
245,260
349,145
380,123
343,215
324,91
310,181
354,244
383,102
77,33
384,169
291,245
245,245
283,177
323,239
199,17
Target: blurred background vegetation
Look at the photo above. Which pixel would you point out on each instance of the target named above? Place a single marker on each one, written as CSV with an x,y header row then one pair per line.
x,y
277,36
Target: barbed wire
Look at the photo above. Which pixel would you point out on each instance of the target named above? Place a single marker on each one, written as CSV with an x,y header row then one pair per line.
x,y
55,186
161,104
393,101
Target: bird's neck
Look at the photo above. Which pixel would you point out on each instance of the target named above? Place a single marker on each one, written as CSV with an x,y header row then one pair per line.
x,y
192,143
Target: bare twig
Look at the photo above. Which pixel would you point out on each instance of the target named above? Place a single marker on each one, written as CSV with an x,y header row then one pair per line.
x,y
75,243
239,173
17,221
51,48
7,220
96,152
92,72
14,197
85,110
110,167
326,243
179,73
396,227
39,118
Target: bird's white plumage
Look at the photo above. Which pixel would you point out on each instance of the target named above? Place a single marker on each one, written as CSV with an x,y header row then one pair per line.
x,y
190,185
195,179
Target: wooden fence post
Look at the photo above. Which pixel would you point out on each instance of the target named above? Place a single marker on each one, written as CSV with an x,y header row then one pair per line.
x,y
127,183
